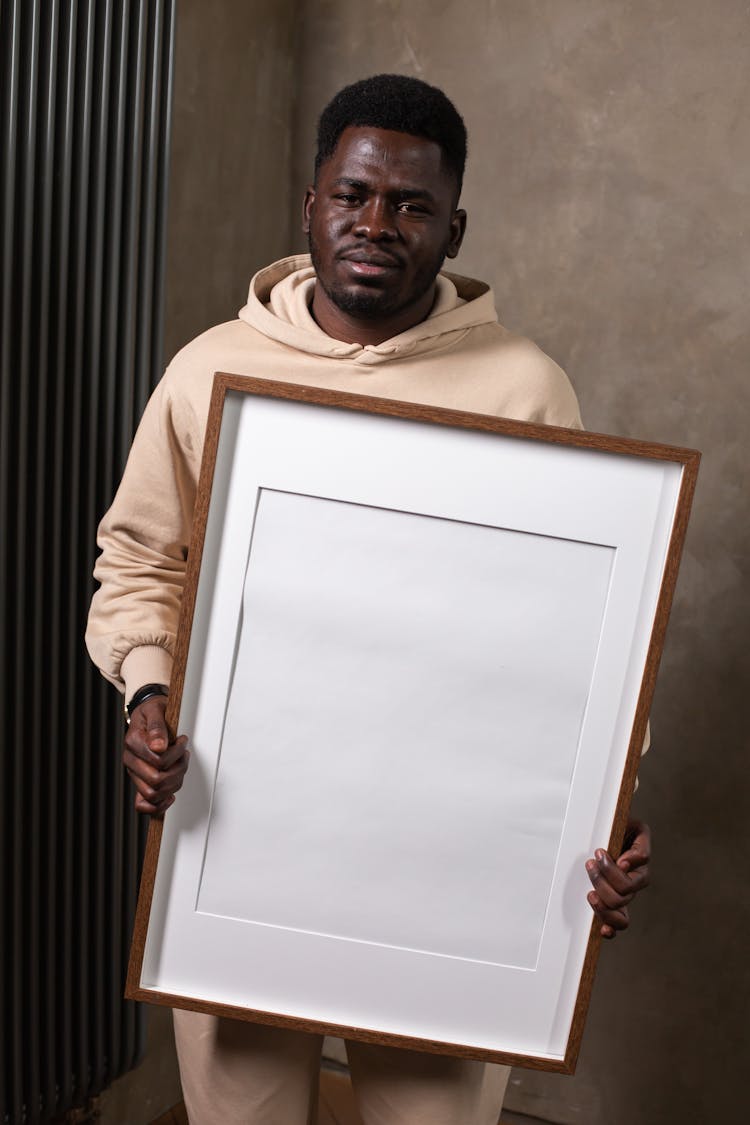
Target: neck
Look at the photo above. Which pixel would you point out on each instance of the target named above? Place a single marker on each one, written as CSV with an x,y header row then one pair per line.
x,y
352,329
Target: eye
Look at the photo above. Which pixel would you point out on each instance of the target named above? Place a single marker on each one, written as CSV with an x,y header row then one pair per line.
x,y
348,197
408,207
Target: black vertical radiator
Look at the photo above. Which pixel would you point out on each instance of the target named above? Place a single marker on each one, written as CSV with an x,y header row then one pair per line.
x,y
86,102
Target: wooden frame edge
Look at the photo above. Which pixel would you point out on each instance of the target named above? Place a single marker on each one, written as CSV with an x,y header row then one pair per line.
x,y
342,1031
688,458
463,419
187,610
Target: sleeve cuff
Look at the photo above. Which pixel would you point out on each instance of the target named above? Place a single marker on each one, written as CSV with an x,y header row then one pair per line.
x,y
147,664
646,739
644,749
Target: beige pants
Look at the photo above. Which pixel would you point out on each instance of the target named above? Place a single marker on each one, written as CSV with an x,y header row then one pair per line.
x,y
236,1073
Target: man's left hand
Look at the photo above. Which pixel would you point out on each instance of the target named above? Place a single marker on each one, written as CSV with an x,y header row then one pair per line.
x,y
617,882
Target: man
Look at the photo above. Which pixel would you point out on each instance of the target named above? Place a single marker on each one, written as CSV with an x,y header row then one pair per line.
x,y
370,313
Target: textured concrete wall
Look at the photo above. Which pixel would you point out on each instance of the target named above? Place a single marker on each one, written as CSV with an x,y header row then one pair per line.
x,y
608,199
608,203
231,151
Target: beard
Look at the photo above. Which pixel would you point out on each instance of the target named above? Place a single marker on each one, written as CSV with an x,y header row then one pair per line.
x,y
374,302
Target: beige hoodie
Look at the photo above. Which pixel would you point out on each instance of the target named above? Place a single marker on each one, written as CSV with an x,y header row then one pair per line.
x,y
458,357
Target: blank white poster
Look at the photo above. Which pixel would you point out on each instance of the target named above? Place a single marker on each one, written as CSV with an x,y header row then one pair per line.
x,y
385,662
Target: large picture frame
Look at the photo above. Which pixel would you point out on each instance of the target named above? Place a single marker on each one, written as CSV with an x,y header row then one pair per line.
x,y
416,657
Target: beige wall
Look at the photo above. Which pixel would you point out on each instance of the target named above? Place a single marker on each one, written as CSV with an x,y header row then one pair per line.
x,y
608,200
231,156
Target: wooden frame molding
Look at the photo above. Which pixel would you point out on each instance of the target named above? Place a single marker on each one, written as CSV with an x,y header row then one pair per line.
x,y
564,502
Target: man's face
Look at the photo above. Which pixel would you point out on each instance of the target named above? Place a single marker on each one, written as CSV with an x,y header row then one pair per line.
x,y
380,221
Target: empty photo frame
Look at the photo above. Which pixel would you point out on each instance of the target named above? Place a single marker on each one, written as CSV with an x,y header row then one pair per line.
x,y
415,661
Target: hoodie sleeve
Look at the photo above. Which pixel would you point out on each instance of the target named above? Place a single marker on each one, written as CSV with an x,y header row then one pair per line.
x,y
144,540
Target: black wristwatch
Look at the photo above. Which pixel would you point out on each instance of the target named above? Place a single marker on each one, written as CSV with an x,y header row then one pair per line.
x,y
148,691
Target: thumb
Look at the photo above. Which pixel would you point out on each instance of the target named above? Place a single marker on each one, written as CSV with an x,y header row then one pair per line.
x,y
157,737
156,734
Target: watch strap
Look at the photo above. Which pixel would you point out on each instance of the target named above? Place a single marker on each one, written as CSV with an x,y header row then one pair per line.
x,y
148,691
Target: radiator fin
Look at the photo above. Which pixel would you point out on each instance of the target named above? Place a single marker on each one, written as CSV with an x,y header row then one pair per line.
x,y
86,102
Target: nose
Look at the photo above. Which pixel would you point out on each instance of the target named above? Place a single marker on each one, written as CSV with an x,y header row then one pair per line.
x,y
375,220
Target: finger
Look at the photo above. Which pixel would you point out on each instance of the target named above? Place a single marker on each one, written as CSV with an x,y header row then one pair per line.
x,y
167,758
636,828
617,888
148,721
616,920
154,731
606,895
173,754
634,858
136,744
636,846
143,806
628,881
610,899
637,878
150,797
154,784
156,791
621,878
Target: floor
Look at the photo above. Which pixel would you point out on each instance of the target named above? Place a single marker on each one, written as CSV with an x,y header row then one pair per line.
x,y
336,1105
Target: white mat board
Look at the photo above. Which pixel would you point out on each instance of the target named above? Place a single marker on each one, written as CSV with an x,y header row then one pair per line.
x,y
405,650
415,662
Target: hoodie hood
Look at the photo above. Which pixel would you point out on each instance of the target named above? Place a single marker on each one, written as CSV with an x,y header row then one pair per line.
x,y
278,306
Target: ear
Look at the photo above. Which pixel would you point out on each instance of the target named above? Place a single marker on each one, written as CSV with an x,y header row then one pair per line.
x,y
458,230
307,207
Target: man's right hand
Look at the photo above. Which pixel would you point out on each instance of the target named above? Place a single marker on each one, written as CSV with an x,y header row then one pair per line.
x,y
156,766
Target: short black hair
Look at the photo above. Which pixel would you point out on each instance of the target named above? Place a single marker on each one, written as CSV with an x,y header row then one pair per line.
x,y
400,103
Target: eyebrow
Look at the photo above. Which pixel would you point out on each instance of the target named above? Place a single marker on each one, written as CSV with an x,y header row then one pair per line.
x,y
400,193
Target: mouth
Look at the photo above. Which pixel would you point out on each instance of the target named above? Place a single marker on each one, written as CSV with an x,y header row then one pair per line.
x,y
370,265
